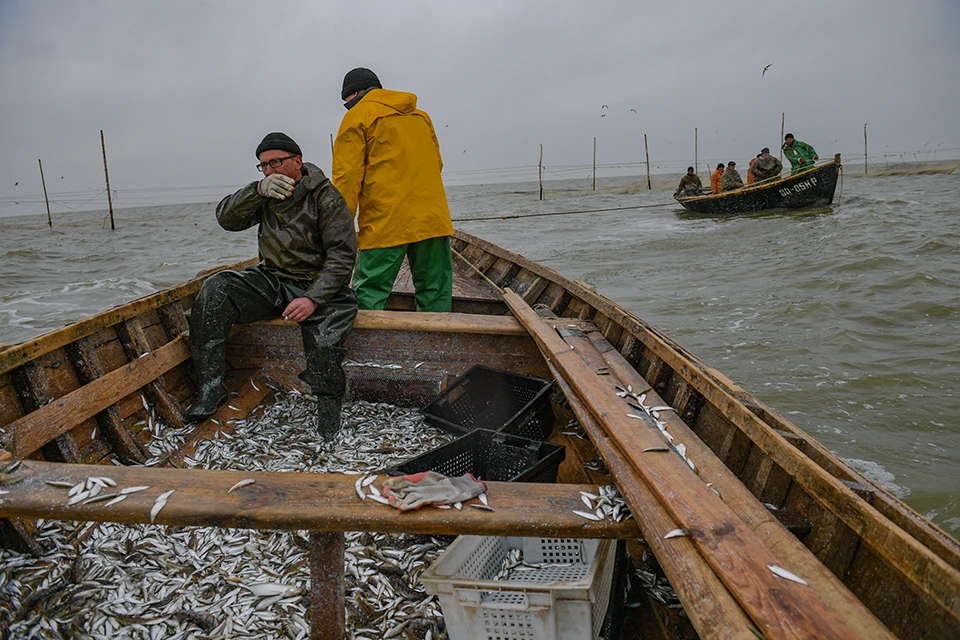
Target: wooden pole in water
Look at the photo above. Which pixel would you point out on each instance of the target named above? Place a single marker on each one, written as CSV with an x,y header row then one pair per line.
x,y
864,148
540,170
594,163
782,120
647,151
696,162
46,199
103,146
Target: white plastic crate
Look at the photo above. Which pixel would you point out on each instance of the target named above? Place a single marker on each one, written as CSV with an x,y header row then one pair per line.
x,y
552,603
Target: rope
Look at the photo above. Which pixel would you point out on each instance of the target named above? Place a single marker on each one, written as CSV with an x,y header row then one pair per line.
x,y
565,213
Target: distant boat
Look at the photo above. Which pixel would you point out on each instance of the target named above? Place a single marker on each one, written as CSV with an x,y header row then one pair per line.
x,y
812,188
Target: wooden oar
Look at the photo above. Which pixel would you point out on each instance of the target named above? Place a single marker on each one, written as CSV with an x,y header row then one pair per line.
x,y
781,608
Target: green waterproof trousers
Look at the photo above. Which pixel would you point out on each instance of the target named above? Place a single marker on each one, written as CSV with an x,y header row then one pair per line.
x,y
231,297
431,267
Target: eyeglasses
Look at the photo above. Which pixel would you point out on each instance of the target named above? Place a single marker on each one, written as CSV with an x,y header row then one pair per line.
x,y
273,164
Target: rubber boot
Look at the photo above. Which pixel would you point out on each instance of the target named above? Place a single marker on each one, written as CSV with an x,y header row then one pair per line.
x,y
328,417
325,376
210,320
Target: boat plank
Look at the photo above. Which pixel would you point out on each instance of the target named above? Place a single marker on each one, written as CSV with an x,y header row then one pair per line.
x,y
10,407
173,318
326,585
908,614
298,501
137,345
38,383
754,514
732,549
717,617
89,367
57,418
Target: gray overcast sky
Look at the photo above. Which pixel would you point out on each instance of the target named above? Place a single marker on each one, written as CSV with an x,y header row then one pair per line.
x,y
185,90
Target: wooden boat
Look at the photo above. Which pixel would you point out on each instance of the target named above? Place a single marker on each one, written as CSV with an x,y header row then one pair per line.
x,y
756,493
812,188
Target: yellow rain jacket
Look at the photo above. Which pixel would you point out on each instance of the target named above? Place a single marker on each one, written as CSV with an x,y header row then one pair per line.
x,y
386,162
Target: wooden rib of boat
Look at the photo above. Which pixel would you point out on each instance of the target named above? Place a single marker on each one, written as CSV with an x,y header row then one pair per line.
x,y
757,492
812,188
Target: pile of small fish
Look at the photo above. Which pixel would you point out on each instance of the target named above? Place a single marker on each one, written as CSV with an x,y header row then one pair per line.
x,y
609,504
150,582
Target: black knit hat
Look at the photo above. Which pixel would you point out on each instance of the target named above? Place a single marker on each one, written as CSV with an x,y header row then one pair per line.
x,y
357,80
277,140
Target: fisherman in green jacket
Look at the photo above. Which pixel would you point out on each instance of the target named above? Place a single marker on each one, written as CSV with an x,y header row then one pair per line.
x,y
801,155
308,248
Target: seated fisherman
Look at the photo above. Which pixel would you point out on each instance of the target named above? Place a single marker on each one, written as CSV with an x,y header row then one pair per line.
x,y
766,166
307,248
731,179
715,179
690,185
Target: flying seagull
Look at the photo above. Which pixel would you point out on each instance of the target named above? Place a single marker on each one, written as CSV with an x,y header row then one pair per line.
x,y
603,115
765,69
634,110
603,106
16,183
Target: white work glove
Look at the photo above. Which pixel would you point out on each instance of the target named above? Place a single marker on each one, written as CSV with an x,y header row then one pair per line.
x,y
407,493
276,186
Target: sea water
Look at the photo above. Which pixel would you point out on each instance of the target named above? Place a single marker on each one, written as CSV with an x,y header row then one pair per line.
x,y
845,319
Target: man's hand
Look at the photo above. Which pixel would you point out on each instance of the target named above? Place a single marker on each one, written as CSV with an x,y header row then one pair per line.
x,y
300,309
276,186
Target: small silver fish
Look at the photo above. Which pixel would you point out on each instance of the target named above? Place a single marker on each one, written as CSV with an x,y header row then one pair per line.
x,y
119,498
588,515
676,533
786,575
129,490
242,483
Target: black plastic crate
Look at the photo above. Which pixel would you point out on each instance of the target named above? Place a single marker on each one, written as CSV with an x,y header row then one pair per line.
x,y
485,398
490,455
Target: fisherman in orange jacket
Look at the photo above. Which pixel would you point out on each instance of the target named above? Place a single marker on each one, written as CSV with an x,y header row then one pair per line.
x,y
715,179
387,164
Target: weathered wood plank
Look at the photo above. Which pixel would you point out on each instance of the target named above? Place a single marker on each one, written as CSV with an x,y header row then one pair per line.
x,y
779,607
89,367
754,514
298,501
136,345
711,607
52,420
326,585
35,387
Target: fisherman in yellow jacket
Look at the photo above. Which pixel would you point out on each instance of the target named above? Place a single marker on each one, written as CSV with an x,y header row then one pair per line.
x,y
386,164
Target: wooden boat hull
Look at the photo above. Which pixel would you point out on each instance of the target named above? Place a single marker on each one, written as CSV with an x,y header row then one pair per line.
x,y
812,188
79,395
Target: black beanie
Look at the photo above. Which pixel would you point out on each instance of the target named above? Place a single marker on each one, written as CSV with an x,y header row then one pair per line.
x,y
357,80
277,140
